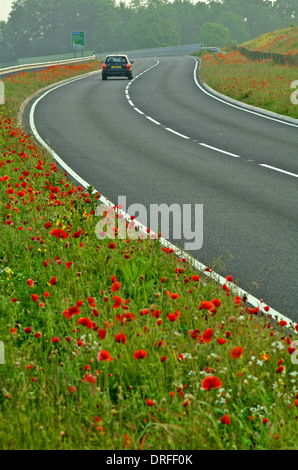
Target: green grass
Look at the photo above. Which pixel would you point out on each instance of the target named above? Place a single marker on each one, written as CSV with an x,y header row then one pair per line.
x,y
262,84
58,395
281,41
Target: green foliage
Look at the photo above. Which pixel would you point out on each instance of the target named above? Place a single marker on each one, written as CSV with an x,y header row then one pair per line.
x,y
213,34
43,27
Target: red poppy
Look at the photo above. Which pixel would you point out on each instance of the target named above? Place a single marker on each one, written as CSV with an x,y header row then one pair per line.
x,y
68,264
226,419
221,341
211,382
141,354
150,402
28,329
85,322
102,333
59,233
205,304
195,278
115,286
118,301
163,359
55,339
30,282
104,356
34,297
121,338
53,281
207,335
236,352
172,317
280,369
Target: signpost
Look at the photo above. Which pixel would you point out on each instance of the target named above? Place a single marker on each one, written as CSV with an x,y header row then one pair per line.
x,y
78,41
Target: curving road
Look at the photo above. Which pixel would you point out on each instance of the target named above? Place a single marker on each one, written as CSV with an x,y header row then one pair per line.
x,y
160,139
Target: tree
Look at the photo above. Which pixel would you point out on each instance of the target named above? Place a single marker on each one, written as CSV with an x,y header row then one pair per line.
x,y
213,34
235,23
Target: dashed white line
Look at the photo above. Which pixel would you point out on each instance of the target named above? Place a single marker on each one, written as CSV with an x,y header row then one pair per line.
x,y
138,110
220,150
153,120
278,169
177,133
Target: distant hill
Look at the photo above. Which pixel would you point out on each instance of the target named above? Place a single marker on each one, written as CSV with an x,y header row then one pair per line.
x,y
281,41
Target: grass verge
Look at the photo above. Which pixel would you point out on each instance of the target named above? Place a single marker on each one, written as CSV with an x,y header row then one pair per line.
x,y
262,84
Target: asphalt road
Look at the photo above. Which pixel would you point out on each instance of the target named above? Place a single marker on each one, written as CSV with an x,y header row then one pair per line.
x,y
250,211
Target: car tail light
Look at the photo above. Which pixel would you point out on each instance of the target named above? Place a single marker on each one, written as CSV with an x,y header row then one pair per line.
x,y
104,66
128,65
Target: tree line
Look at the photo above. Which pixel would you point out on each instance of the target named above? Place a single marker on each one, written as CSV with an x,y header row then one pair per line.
x,y
43,27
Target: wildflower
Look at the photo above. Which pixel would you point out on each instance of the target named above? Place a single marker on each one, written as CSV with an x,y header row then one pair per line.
x,y
207,335
34,297
236,352
59,233
141,354
55,339
150,402
121,338
211,382
30,282
85,322
226,419
104,356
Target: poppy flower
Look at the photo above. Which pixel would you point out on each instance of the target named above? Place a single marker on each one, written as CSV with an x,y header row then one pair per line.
x,y
174,296
28,329
59,233
163,359
55,339
121,338
85,322
207,335
115,286
104,356
172,317
68,264
221,341
102,333
205,304
34,297
150,402
211,382
118,301
226,419
141,354
236,352
30,282
53,281
195,278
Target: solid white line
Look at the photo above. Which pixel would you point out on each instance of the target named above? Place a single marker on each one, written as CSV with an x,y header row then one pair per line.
x,y
219,150
234,105
278,169
195,263
177,133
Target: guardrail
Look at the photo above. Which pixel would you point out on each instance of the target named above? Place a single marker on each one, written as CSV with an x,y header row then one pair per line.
x,y
23,68
156,51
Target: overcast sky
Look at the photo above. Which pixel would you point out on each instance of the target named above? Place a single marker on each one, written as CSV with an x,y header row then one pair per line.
x,y
5,8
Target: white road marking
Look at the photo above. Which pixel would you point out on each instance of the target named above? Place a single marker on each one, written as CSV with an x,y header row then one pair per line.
x,y
177,133
153,120
138,110
278,169
219,150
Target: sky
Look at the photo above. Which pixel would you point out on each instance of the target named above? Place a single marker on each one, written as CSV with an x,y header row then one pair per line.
x,y
5,7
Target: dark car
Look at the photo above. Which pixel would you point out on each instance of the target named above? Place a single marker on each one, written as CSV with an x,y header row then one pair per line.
x,y
117,66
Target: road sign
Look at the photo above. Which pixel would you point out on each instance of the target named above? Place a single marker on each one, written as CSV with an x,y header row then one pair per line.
x,y
78,40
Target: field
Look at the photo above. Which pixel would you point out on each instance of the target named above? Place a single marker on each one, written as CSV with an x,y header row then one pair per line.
x,y
118,344
262,84
281,41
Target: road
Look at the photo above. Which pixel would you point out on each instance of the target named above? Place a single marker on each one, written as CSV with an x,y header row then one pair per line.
x,y
160,139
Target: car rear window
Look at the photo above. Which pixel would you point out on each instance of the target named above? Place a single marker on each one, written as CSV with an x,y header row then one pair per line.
x,y
116,60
